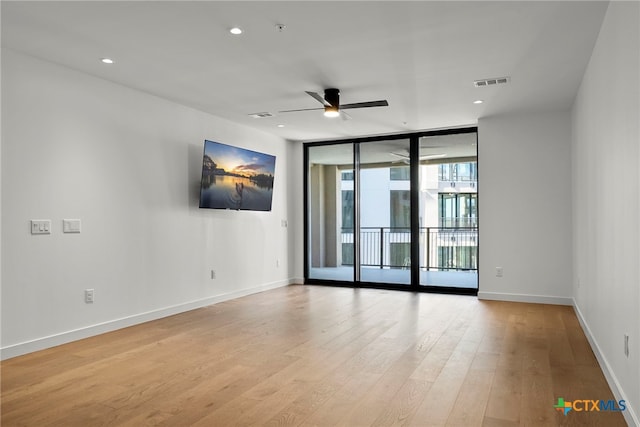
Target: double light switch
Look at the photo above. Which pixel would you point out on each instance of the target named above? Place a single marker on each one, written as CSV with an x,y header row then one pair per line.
x,y
40,226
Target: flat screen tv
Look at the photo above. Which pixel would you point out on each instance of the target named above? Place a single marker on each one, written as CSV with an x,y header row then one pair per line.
x,y
236,178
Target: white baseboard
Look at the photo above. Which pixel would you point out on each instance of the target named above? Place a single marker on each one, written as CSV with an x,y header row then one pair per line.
x,y
536,299
112,325
629,414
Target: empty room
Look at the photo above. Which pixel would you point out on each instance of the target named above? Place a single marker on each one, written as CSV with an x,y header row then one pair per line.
x,y
344,213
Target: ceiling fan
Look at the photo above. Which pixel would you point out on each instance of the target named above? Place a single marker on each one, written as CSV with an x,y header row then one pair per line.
x,y
406,159
332,107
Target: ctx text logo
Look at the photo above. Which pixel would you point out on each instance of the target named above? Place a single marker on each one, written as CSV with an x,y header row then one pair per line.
x,y
589,405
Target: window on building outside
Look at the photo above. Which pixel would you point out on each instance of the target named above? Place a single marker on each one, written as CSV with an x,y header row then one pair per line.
x,y
458,209
458,172
347,223
457,257
399,173
466,172
347,254
400,209
347,209
400,255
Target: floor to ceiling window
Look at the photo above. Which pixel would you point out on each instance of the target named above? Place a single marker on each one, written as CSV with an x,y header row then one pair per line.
x,y
449,211
396,212
385,212
331,210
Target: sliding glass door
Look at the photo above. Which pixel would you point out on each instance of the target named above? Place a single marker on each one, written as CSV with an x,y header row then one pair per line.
x,y
385,212
330,213
396,212
449,211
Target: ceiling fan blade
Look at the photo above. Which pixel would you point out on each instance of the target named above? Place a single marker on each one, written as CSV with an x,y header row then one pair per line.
x,y
333,95
432,156
425,157
318,98
345,116
303,109
381,103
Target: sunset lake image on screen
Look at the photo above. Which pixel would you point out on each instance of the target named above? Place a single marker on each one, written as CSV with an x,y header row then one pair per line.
x,y
236,178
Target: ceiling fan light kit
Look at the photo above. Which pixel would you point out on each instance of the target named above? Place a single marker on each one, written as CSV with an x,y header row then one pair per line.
x,y
331,102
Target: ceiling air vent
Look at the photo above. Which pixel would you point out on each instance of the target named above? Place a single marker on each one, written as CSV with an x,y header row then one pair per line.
x,y
491,82
261,115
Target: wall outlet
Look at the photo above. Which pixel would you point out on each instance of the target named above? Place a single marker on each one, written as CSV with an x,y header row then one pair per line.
x,y
277,263
499,272
88,296
626,345
213,274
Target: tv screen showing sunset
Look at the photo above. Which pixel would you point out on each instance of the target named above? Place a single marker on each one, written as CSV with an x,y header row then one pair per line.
x,y
236,178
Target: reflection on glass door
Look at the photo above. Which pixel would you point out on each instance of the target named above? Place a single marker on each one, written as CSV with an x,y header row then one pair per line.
x,y
385,212
448,211
331,213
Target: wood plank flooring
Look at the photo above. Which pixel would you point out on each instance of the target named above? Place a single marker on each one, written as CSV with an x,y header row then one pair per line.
x,y
319,356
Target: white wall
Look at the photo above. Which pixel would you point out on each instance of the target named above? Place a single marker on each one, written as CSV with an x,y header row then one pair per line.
x,y
524,176
0,198
296,210
606,193
375,203
128,165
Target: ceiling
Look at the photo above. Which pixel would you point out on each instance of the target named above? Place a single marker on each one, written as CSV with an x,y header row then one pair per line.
x,y
421,56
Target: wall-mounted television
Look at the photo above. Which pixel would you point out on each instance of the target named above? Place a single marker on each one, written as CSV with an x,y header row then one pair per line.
x,y
236,178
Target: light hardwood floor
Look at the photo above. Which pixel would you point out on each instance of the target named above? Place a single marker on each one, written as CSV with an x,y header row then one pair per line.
x,y
311,355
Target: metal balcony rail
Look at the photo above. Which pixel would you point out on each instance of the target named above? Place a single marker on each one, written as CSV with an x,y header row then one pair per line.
x,y
441,248
461,222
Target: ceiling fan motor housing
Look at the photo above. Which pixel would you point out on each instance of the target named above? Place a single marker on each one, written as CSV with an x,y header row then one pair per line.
x,y
332,96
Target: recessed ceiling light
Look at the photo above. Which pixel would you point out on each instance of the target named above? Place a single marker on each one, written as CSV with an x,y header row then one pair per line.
x,y
107,60
235,31
280,126
478,101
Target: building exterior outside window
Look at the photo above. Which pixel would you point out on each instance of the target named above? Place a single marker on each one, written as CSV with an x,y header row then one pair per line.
x,y
448,215
400,213
399,173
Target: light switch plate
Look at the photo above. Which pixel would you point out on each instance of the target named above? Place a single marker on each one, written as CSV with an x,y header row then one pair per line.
x,y
40,226
71,226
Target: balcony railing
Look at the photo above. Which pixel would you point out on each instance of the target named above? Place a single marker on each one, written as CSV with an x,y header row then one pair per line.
x,y
441,248
462,222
